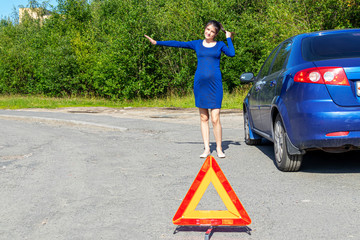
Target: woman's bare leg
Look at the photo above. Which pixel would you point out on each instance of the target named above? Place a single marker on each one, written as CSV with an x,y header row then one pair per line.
x,y
215,119
204,125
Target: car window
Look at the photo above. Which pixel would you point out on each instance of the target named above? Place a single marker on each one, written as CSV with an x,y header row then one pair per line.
x,y
281,57
332,46
266,66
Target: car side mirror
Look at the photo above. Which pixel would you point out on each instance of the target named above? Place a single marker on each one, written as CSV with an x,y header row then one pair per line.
x,y
247,77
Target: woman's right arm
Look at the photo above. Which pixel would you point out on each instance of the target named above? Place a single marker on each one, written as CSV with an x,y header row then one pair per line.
x,y
177,44
151,40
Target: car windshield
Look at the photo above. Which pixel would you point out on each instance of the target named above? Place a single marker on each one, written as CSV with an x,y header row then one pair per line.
x,y
333,46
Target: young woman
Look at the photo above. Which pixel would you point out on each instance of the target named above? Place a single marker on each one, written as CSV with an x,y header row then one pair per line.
x,y
208,88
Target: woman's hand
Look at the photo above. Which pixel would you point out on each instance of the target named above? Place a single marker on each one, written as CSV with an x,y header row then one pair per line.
x,y
228,34
150,39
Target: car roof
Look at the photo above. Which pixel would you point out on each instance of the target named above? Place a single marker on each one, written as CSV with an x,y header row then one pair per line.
x,y
325,32
294,58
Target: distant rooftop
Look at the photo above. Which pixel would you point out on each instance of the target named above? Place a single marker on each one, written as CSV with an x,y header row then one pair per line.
x,y
34,13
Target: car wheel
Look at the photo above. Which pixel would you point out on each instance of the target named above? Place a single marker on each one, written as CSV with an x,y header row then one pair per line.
x,y
247,130
283,160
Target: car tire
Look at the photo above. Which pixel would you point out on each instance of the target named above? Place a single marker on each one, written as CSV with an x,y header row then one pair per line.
x,y
283,160
248,140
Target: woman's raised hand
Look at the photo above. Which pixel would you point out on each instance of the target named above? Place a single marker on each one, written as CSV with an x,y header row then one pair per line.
x,y
228,34
150,39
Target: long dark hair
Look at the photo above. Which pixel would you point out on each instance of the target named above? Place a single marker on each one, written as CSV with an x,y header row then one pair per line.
x,y
218,26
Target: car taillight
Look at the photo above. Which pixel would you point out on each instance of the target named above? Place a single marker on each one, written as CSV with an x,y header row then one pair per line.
x,y
323,75
337,134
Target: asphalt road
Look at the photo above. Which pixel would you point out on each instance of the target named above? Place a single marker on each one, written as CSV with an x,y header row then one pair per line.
x,y
122,173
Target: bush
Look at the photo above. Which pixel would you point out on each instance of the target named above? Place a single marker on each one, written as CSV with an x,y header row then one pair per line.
x,y
97,48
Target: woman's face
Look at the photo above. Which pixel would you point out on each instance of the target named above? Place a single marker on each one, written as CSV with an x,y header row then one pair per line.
x,y
210,32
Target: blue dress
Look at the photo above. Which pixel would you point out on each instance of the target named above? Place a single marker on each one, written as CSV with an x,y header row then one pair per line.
x,y
208,89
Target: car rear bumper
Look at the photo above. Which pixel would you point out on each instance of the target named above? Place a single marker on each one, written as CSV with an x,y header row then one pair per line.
x,y
313,120
351,141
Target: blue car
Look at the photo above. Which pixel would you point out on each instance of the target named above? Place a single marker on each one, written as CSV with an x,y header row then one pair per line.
x,y
306,97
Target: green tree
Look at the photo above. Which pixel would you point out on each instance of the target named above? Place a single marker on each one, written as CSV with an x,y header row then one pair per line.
x,y
97,47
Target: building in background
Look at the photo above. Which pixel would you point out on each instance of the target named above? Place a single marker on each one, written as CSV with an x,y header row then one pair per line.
x,y
34,13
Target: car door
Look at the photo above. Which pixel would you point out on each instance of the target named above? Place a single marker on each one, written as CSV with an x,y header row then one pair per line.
x,y
273,78
260,89
254,104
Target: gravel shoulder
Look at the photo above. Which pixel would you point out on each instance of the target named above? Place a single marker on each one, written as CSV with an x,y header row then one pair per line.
x,y
231,118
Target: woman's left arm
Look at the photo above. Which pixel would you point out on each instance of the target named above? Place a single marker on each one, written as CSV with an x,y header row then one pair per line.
x,y
229,50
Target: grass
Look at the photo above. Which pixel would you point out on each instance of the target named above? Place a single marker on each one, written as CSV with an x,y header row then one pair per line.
x,y
230,101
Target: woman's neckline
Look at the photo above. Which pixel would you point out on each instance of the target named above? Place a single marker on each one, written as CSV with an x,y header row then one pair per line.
x,y
202,43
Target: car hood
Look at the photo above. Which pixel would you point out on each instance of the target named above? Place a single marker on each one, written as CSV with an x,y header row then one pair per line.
x,y
346,96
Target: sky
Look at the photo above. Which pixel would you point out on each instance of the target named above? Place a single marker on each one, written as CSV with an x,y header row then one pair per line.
x,y
7,6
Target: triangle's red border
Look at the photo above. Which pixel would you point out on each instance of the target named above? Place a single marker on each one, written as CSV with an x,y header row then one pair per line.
x,y
210,162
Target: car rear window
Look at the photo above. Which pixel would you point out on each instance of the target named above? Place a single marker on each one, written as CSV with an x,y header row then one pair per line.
x,y
340,45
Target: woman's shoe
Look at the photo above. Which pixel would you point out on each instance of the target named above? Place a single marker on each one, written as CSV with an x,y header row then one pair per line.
x,y
204,155
221,155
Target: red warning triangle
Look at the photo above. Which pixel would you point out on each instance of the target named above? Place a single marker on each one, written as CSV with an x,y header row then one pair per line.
x,y
210,172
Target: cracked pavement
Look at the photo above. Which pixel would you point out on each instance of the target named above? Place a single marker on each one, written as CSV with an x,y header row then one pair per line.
x,y
102,173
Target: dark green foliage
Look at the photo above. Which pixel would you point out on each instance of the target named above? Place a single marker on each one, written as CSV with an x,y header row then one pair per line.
x,y
98,48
